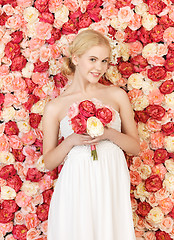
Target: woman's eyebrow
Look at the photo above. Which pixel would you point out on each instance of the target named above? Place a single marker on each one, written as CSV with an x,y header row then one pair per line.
x,y
97,57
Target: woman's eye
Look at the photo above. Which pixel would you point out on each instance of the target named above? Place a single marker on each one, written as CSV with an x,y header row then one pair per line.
x,y
105,61
92,59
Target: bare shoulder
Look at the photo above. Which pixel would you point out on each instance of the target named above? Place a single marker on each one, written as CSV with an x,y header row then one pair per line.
x,y
54,107
117,93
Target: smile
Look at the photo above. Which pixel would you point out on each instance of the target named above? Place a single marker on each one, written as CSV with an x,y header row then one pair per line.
x,y
95,74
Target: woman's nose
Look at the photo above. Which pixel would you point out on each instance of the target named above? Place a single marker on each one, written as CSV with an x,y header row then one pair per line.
x,y
98,65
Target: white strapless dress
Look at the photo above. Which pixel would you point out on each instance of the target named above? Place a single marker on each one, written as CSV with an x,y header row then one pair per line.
x,y
91,199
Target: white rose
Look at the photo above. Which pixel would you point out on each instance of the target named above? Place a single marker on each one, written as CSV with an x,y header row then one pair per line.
x,y
145,171
149,21
169,100
39,107
140,103
2,48
148,86
169,143
143,131
124,51
23,126
115,23
30,188
54,67
135,81
155,216
31,14
169,182
113,74
150,50
8,114
48,88
95,127
170,165
6,157
165,47
121,14
141,8
136,2
62,14
27,71
7,193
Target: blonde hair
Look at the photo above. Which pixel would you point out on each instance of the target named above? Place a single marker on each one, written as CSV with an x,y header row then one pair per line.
x,y
83,42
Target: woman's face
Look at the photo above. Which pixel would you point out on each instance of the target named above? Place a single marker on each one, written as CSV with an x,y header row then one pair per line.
x,y
93,63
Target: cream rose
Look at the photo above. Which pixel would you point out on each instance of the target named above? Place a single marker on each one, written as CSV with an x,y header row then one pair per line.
x,y
115,23
170,165
7,193
155,216
141,192
6,157
169,100
8,114
140,103
169,143
169,182
62,14
31,14
135,81
24,126
113,74
27,71
143,131
149,21
145,171
2,48
150,50
94,127
40,164
39,107
30,188
141,8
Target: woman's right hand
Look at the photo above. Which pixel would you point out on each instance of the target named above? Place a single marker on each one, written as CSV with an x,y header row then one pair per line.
x,y
79,139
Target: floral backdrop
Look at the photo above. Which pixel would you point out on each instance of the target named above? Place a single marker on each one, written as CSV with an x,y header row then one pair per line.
x,y
34,36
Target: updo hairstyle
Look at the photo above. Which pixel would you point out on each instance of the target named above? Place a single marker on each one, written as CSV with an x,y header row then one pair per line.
x,y
81,43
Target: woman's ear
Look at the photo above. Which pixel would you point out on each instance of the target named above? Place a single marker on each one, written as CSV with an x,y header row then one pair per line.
x,y
75,60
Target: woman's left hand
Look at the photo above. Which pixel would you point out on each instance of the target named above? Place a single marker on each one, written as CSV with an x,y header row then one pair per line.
x,y
96,140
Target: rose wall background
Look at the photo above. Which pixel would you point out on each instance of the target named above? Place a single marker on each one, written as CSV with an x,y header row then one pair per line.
x,y
34,36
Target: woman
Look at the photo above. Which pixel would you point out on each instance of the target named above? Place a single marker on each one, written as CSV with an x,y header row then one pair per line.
x,y
91,199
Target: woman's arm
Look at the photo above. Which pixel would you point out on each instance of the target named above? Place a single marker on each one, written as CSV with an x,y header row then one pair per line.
x,y
128,139
53,153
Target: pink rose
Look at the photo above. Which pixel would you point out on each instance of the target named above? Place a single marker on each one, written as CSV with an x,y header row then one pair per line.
x,y
157,140
18,63
135,178
22,199
34,175
153,183
19,218
31,101
18,154
55,35
15,142
166,205
31,220
12,50
20,232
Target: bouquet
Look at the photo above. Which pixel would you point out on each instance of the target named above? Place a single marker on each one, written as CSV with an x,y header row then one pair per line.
x,y
85,117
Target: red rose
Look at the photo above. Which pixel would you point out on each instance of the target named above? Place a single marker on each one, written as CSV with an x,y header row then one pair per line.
x,y
46,17
6,216
161,235
167,87
165,21
47,194
7,171
157,33
39,145
112,31
20,232
144,36
87,108
31,101
18,154
94,14
42,5
12,50
92,4
79,124
75,15
156,6
34,119
171,214
13,3
153,183
160,155
10,205
126,69
2,97
169,64
17,36
60,168
3,19
143,209
84,20
60,80
55,35
103,80
156,73
104,114
168,128
18,63
11,128
120,3
70,27
53,174
130,35
30,85
141,116
41,66
34,175
42,211
155,111
14,182
139,63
